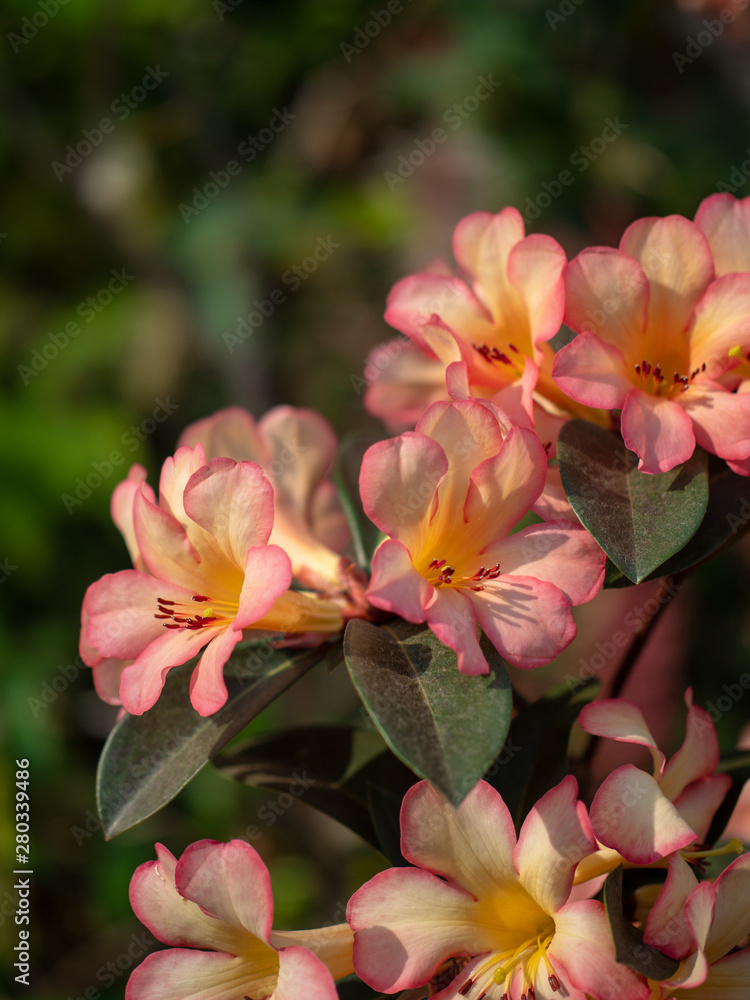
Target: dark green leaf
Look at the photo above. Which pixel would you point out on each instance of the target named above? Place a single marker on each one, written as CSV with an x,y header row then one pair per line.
x,y
535,755
149,758
346,474
444,725
630,948
639,520
332,768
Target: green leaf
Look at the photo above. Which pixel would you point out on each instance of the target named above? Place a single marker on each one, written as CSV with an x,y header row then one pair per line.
x,y
630,948
445,726
535,756
149,758
638,519
332,768
365,535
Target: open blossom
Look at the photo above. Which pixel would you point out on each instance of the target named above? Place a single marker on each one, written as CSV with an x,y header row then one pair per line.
x,y
448,494
496,905
218,897
204,571
497,320
643,817
663,339
295,448
702,926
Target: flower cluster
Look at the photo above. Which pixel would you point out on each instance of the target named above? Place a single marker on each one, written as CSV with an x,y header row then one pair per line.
x,y
253,537
482,913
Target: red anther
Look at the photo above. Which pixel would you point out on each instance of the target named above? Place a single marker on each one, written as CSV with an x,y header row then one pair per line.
x,y
194,625
476,588
676,378
638,369
167,625
160,600
483,994
554,983
703,366
532,993
466,986
439,563
162,616
199,597
514,348
432,564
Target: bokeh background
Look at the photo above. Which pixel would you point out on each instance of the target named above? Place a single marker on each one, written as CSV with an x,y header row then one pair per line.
x,y
166,165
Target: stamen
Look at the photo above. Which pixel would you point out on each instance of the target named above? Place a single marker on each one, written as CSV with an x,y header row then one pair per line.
x,y
198,597
514,348
467,986
554,983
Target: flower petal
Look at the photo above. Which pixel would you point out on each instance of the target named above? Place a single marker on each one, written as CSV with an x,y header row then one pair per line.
x,y
631,814
407,922
725,220
731,922
165,547
721,420
583,952
558,552
229,433
721,321
482,244
677,261
701,799
470,845
607,294
229,882
184,974
121,609
208,692
121,508
302,973
413,302
453,619
727,979
142,681
535,268
268,575
528,621
395,585
502,488
398,484
592,372
667,928
659,431
621,720
555,836
168,915
402,382
233,501
697,757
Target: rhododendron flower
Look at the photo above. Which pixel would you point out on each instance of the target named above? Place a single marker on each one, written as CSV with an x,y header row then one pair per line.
x,y
204,572
295,448
725,221
498,905
646,817
449,494
656,333
218,897
702,925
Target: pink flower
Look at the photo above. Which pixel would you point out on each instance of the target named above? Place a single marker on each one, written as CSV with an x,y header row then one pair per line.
x,y
448,495
646,817
204,571
725,222
656,333
218,897
498,906
295,448
702,925
497,320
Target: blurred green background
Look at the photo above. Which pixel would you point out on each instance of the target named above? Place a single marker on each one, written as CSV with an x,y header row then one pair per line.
x,y
165,167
